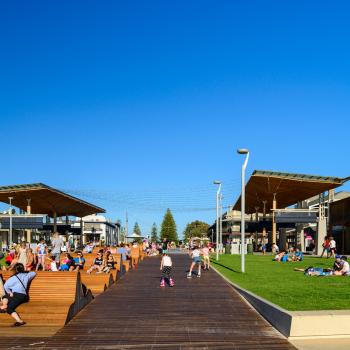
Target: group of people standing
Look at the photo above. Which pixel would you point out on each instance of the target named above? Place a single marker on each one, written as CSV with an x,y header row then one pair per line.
x,y
34,259
329,247
196,253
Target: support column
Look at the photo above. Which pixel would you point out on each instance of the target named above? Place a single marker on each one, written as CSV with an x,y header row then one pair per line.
x,y
274,226
283,242
83,237
321,227
330,200
300,239
29,211
54,222
256,229
264,221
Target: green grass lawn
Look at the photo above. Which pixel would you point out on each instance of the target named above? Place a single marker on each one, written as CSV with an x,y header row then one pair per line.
x,y
278,283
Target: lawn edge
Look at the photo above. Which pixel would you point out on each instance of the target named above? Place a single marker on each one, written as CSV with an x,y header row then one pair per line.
x,y
296,324
278,317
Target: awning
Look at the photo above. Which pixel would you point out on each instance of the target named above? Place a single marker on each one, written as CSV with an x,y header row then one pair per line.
x,y
288,189
47,200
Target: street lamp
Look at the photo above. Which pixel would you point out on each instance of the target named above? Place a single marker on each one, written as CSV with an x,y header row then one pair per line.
x,y
246,152
217,218
220,216
10,231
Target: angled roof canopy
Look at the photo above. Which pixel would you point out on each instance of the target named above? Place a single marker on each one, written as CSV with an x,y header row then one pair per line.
x,y
47,200
287,187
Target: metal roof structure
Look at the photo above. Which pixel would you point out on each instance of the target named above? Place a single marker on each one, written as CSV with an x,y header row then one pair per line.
x,y
288,188
47,200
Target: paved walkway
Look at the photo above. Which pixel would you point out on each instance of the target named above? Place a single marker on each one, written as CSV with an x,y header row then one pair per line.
x,y
198,313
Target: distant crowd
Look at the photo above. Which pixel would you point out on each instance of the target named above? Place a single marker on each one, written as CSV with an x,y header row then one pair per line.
x,y
59,255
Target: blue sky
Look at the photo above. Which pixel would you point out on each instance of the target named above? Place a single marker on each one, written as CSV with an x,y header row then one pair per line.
x,y
140,105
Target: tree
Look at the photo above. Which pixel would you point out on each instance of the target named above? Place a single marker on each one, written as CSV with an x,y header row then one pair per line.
x,y
137,229
154,233
168,229
196,229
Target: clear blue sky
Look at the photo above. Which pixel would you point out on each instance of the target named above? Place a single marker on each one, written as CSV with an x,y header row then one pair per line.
x,y
139,105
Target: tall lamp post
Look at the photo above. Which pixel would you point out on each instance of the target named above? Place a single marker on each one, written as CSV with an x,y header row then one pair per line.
x,y
10,231
217,218
220,216
246,152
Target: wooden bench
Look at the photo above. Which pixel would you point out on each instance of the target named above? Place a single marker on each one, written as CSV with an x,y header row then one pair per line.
x,y
89,258
126,264
98,283
55,298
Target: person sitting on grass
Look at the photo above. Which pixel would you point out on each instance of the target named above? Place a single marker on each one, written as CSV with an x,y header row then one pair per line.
x,y
16,288
338,263
298,255
79,261
98,264
316,271
345,270
282,257
285,257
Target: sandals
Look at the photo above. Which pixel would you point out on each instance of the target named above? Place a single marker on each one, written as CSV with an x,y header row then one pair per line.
x,y
18,324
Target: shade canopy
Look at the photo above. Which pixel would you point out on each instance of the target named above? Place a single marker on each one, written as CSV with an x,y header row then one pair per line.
x,y
288,189
47,200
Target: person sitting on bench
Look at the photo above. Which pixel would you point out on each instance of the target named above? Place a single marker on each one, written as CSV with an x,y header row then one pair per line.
x,y
98,264
16,288
109,262
67,263
79,261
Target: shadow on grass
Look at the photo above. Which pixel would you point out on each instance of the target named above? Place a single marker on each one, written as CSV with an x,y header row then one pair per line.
x,y
225,266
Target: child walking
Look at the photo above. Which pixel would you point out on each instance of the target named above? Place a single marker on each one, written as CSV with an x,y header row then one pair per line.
x,y
166,266
206,258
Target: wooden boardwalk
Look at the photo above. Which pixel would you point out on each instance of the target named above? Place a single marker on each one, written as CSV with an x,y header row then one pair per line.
x,y
198,313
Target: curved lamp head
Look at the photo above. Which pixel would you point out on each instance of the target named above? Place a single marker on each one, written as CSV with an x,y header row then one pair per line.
x,y
217,182
242,151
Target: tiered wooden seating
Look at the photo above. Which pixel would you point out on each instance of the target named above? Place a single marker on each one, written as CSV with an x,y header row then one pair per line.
x,y
126,264
55,297
97,283
89,258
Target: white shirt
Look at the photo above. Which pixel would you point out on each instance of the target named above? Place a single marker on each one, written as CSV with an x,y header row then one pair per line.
x,y
196,253
53,266
346,267
332,244
167,261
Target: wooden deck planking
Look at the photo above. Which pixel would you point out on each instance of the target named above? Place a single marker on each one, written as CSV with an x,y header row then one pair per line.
x,y
198,313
